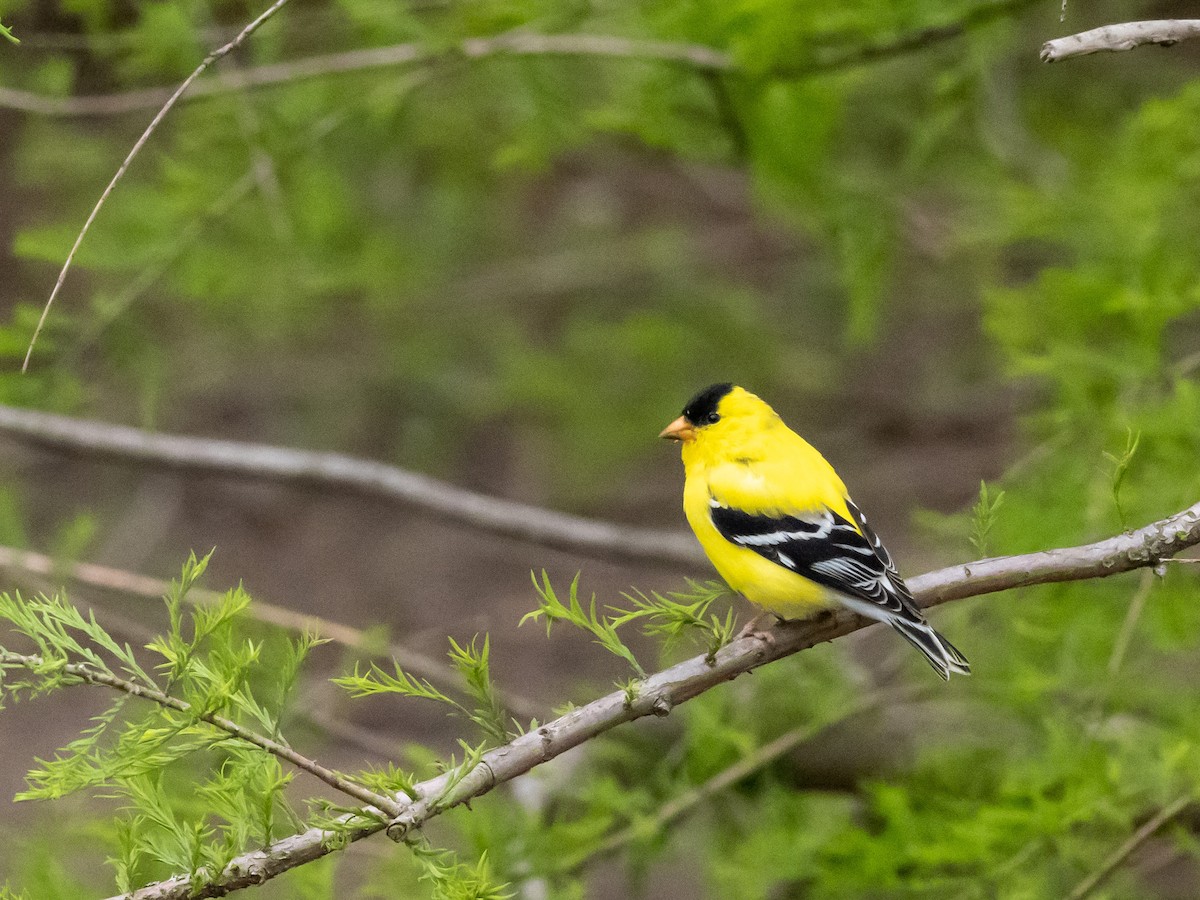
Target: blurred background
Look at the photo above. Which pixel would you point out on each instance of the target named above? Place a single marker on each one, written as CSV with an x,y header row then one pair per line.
x,y
941,260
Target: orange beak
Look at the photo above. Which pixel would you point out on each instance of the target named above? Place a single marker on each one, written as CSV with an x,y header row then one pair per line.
x,y
679,430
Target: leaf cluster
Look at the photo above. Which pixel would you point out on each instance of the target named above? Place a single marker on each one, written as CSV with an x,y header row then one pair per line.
x,y
471,662
664,617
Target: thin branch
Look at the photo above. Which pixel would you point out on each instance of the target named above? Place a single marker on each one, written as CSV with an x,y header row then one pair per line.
x,y
217,54
660,693
901,44
699,57
515,43
89,675
1126,36
1152,825
504,517
140,585
520,43
195,229
677,807
1136,607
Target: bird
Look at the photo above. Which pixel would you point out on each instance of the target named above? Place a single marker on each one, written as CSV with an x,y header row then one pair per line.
x,y
778,525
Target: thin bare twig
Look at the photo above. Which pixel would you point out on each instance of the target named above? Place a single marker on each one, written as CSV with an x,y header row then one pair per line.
x,y
213,57
195,229
659,693
1136,607
503,517
89,675
144,586
1152,825
699,57
517,43
1125,36
677,807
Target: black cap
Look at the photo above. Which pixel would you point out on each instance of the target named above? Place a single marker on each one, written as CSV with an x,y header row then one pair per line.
x,y
704,404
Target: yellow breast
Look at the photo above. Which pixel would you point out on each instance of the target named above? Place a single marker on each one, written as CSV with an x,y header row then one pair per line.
x,y
759,580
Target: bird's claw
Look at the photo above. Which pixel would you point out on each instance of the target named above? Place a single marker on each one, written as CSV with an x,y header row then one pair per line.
x,y
755,629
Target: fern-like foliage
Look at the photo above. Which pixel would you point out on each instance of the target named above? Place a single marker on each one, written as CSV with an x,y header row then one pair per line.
x,y
191,748
471,661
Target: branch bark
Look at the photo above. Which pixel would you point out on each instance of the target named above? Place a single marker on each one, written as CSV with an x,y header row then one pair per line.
x,y
504,517
699,57
660,693
1125,36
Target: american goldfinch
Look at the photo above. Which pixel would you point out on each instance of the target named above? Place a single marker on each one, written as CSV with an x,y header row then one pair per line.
x,y
778,525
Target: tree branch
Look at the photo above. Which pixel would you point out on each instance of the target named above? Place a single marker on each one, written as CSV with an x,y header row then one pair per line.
x,y
504,517
660,693
92,676
516,43
1088,886
523,43
677,807
1126,36
217,54
111,579
699,57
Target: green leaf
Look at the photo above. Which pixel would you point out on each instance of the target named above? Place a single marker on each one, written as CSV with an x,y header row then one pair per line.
x,y
1120,468
488,713
603,629
984,517
376,681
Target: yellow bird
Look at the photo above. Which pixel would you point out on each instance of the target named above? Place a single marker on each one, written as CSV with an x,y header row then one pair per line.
x,y
777,523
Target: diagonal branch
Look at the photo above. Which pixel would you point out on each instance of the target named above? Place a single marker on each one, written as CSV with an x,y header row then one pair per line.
x,y
503,517
678,807
697,56
213,57
90,675
1125,36
660,693
1149,828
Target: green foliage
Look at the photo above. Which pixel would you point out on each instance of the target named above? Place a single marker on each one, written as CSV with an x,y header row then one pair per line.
x,y
450,879
671,616
551,253
1120,468
191,794
985,510
471,662
488,713
377,681
603,628
665,618
132,754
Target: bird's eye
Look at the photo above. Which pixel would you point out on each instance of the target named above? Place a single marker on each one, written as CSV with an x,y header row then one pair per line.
x,y
712,418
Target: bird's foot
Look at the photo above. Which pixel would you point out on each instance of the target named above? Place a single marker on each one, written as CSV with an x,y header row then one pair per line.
x,y
758,628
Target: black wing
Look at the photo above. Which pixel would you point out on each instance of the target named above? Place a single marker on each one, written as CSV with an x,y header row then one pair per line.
x,y
830,550
826,548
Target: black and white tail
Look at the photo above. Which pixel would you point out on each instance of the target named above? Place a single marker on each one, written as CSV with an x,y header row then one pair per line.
x,y
942,655
907,619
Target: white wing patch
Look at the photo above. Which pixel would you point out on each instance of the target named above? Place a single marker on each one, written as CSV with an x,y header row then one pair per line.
x,y
846,557
823,526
